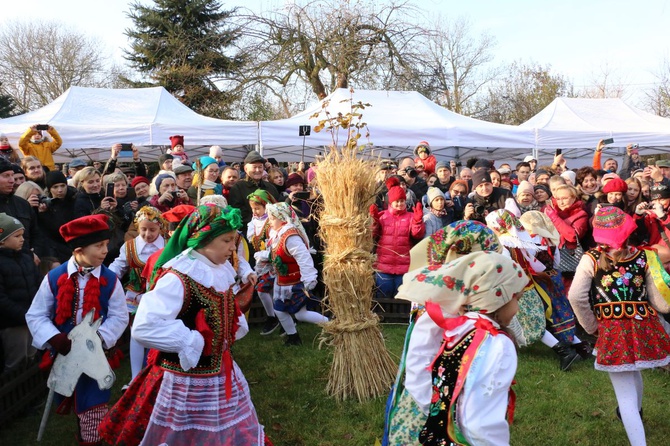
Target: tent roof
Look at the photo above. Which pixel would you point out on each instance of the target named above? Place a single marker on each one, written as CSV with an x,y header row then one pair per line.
x,y
576,123
96,118
397,121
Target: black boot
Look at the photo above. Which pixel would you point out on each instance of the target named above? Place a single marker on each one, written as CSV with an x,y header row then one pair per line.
x,y
566,354
584,349
293,339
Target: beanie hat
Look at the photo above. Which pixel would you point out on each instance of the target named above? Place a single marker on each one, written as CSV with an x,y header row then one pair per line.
x,y
422,144
5,165
479,177
658,191
615,185
543,187
525,187
612,226
204,162
17,169
177,140
164,157
441,165
8,226
433,193
86,230
137,180
311,174
160,178
215,151
177,213
462,183
55,177
568,175
253,157
294,178
395,192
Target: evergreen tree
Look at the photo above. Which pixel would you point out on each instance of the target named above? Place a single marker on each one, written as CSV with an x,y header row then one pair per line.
x,y
7,105
181,45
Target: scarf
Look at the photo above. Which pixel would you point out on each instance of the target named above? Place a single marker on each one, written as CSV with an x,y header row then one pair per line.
x,y
68,288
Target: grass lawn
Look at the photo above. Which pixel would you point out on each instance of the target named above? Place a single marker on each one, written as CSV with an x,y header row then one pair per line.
x,y
287,387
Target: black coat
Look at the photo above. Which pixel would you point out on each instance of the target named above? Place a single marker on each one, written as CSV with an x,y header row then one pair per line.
x,y
19,280
85,204
239,192
59,212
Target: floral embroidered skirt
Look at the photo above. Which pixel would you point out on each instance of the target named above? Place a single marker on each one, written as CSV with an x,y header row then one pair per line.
x,y
531,315
630,344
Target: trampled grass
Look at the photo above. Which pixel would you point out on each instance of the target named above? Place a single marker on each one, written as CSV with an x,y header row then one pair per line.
x,y
288,389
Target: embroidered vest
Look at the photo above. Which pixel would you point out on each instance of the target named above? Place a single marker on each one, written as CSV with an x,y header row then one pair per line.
x,y
220,316
620,293
285,265
444,371
105,294
258,241
135,266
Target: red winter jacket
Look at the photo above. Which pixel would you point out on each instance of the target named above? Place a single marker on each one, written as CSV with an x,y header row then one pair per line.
x,y
395,234
572,223
428,164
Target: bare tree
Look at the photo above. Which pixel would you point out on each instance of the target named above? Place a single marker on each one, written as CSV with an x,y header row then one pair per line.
x,y
328,44
40,61
605,83
523,92
456,64
658,98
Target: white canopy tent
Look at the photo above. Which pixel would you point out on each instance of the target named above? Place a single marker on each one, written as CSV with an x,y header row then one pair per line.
x,y
576,125
91,120
397,121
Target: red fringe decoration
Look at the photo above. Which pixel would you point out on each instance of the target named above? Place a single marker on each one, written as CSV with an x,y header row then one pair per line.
x,y
65,297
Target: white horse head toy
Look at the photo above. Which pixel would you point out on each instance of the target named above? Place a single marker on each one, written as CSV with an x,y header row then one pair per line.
x,y
86,356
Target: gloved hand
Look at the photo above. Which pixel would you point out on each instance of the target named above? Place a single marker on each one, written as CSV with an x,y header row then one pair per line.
x,y
418,212
61,343
205,330
374,213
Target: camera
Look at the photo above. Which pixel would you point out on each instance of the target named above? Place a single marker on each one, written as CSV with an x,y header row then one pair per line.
x,y
43,199
480,209
411,172
459,164
175,194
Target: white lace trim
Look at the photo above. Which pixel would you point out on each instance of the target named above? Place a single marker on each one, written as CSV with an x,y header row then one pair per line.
x,y
638,365
190,263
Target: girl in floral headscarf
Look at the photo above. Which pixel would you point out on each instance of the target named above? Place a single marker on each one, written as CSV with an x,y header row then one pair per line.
x,y
152,228
460,368
447,244
293,268
191,392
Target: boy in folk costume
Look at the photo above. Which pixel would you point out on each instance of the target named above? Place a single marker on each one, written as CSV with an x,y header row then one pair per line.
x,y
295,275
132,259
65,296
192,392
258,232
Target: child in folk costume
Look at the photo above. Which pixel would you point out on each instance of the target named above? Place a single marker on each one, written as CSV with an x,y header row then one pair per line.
x,y
258,232
152,227
295,275
192,392
617,292
65,296
461,364
449,243
539,309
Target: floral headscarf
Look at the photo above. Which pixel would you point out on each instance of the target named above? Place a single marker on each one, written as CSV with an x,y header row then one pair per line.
x,y
150,213
455,240
261,197
481,282
285,213
510,231
201,227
